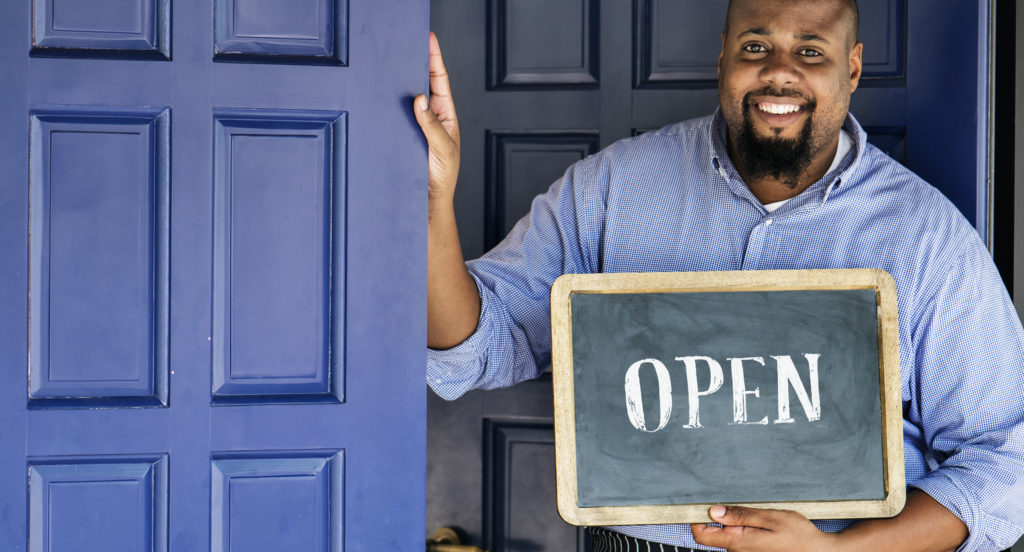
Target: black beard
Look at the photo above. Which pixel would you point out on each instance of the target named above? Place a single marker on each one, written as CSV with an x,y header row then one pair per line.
x,y
783,159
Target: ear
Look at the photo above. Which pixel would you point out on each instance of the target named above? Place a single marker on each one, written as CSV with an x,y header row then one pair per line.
x,y
720,53
856,65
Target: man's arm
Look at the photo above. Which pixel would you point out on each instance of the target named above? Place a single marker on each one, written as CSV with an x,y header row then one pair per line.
x,y
453,304
924,525
492,314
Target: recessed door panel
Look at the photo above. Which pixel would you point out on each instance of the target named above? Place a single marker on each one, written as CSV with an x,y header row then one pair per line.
x,y
299,31
261,499
278,218
522,165
98,503
99,250
539,44
102,28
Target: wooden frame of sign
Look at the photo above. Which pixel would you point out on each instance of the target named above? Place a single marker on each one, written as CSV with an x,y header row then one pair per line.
x,y
891,494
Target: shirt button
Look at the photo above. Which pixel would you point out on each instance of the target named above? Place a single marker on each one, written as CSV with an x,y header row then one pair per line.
x,y
768,222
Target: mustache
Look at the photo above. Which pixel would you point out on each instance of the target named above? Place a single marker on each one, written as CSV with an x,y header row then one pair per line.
x,y
778,92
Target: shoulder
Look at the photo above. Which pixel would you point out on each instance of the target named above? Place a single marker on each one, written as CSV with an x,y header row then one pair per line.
x,y
893,187
681,136
928,235
667,149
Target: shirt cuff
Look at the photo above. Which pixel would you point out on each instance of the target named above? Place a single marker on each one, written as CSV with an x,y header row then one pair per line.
x,y
453,372
985,533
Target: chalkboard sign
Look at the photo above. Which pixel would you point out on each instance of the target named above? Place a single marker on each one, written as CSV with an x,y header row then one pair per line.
x,y
772,389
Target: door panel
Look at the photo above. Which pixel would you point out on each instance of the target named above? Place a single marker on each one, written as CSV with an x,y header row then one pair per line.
x,y
538,84
212,275
303,31
102,28
278,284
99,248
259,500
522,165
542,44
519,498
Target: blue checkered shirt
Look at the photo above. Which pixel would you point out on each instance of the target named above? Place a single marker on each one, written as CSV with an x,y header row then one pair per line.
x,y
671,200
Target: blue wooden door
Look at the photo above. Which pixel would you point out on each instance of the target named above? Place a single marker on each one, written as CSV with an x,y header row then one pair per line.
x,y
212,268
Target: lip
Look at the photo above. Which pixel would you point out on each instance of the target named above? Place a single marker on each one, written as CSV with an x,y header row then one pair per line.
x,y
778,120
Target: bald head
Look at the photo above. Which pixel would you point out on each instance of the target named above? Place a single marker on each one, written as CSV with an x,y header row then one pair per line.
x,y
852,15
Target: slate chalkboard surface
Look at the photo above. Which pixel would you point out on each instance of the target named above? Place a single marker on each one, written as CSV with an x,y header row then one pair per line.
x,y
760,388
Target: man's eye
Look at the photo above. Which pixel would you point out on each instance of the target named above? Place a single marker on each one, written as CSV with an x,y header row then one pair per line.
x,y
809,52
754,48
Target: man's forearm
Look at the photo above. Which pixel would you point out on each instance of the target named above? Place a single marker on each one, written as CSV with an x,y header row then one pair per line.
x,y
923,525
453,303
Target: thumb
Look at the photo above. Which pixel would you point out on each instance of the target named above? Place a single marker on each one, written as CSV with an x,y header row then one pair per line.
x,y
429,123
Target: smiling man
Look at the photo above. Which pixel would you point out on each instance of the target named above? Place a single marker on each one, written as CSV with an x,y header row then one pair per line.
x,y
786,73
780,177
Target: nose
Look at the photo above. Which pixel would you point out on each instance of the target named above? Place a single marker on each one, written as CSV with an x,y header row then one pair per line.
x,y
780,69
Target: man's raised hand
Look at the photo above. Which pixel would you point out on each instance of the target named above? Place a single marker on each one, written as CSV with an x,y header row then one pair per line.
x,y
441,127
453,304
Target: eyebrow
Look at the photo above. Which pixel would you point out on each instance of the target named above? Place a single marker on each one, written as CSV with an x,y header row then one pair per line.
x,y
760,31
811,38
805,37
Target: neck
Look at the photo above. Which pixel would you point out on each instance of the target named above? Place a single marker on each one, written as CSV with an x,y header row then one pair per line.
x,y
768,189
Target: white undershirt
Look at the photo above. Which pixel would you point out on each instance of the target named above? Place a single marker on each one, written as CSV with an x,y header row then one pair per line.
x,y
845,144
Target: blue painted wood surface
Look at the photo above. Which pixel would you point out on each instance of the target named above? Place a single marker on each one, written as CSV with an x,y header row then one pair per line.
x,y
212,277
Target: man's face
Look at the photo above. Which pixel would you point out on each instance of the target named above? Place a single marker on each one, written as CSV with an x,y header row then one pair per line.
x,y
786,72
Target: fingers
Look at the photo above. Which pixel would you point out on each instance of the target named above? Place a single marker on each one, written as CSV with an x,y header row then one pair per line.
x,y
746,517
441,101
440,126
733,535
737,523
753,529
708,531
729,538
438,74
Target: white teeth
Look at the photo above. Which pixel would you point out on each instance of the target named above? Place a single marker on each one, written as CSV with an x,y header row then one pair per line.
x,y
778,109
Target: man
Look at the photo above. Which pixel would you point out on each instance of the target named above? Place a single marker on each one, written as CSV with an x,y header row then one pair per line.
x,y
780,178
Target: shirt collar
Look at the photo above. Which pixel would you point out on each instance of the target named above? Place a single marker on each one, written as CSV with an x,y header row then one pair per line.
x,y
826,187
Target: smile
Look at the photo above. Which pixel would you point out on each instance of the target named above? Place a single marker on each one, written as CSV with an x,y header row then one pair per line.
x,y
778,109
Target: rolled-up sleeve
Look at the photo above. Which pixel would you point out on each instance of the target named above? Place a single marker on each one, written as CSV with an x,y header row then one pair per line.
x,y
452,372
966,404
